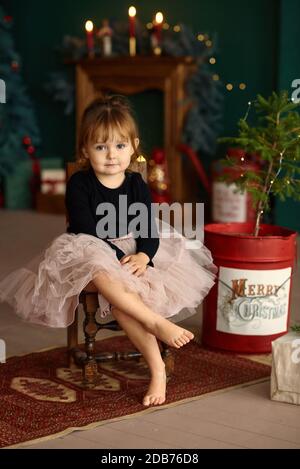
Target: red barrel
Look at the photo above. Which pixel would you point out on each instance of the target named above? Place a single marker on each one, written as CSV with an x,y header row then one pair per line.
x,y
249,306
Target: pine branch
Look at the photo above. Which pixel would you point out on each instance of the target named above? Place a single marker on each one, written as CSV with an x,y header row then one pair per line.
x,y
276,139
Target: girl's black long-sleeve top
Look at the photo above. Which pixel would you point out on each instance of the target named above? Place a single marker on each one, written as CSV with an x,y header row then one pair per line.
x,y
85,193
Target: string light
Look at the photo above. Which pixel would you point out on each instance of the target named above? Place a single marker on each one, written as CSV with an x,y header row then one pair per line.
x,y
248,110
166,26
242,158
176,28
229,86
212,60
149,25
208,43
277,173
200,37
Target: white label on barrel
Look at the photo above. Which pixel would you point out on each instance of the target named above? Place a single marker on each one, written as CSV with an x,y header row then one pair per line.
x,y
253,302
228,205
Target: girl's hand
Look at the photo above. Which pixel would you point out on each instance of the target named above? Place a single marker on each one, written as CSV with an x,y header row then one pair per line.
x,y
137,262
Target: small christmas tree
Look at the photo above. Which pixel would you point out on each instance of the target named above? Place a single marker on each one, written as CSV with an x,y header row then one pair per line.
x,y
276,139
18,125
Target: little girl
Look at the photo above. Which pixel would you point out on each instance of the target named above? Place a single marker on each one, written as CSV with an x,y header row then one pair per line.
x,y
141,280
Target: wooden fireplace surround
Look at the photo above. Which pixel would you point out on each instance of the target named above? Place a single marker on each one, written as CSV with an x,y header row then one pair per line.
x,y
132,75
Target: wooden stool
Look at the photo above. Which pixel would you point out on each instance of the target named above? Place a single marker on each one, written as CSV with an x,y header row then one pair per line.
x,y
88,359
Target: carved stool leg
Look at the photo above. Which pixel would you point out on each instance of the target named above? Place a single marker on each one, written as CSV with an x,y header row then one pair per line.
x,y
72,333
90,327
168,358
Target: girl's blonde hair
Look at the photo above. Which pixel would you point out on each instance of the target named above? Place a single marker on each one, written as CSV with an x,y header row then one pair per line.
x,y
103,119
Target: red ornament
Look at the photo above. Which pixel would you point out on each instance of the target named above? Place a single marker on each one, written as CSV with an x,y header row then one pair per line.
x,y
7,18
158,177
158,155
26,140
15,65
30,150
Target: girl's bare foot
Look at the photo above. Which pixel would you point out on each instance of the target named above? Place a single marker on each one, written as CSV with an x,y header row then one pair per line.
x,y
170,333
156,394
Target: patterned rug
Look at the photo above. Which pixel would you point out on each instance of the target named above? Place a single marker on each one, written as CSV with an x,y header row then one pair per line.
x,y
40,397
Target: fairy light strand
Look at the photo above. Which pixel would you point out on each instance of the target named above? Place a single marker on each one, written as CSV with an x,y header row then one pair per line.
x,y
248,110
277,173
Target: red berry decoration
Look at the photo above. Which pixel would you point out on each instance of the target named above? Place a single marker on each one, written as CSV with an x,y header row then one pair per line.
x,y
30,149
15,65
26,140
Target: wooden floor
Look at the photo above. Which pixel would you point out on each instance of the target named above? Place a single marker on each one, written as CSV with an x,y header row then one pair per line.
x,y
239,418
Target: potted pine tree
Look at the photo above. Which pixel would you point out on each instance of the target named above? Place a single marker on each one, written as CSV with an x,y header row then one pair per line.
x,y
249,306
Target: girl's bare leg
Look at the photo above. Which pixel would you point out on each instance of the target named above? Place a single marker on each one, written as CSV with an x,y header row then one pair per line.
x,y
132,305
147,344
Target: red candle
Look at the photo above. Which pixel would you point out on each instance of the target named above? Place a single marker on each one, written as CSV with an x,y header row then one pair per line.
x,y
132,13
89,27
159,17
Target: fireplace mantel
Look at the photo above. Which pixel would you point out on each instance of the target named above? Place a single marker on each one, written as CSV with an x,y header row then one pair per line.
x,y
132,75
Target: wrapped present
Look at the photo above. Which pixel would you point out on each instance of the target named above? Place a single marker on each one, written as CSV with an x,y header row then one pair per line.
x,y
17,186
285,376
53,181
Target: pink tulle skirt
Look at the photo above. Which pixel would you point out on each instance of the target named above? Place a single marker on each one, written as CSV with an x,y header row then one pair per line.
x,y
46,291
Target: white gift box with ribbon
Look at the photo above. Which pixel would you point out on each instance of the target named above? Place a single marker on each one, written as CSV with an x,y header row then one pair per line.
x,y
53,181
285,376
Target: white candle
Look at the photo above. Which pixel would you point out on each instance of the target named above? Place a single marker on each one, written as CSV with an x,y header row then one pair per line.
x,y
132,40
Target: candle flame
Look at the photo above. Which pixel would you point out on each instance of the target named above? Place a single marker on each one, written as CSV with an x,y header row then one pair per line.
x,y
132,11
89,26
159,17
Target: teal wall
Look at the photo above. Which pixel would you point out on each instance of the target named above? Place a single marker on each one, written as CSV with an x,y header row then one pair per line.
x,y
250,34
246,35
288,213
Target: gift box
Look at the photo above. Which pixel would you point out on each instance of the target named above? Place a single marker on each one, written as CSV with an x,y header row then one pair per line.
x,y
16,185
285,376
53,181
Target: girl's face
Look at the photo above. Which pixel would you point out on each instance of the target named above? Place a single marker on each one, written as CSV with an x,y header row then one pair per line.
x,y
111,157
